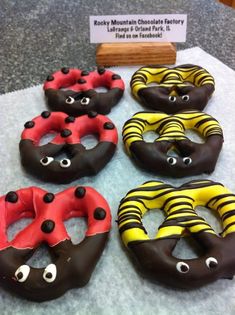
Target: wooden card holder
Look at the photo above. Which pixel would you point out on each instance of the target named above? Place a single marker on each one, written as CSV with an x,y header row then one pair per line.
x,y
120,54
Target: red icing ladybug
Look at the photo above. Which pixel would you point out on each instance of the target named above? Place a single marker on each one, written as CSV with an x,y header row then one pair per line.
x,y
73,91
41,160
72,265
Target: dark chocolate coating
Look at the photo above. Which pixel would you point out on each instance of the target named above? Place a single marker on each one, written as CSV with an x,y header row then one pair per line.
x,y
192,158
158,98
83,162
155,261
173,93
155,258
153,156
74,263
98,102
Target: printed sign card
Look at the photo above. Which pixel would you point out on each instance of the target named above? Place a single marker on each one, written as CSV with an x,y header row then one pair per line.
x,y
138,28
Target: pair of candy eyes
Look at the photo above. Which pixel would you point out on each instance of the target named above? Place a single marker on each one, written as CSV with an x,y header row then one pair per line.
x,y
49,273
47,160
172,160
185,98
84,101
182,267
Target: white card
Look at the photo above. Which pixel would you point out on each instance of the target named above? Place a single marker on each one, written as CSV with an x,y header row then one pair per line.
x,y
138,28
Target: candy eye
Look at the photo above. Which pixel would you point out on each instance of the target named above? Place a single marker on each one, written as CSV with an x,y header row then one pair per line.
x,y
65,163
22,273
85,101
49,273
211,262
182,267
172,98
171,160
185,98
187,160
69,100
46,160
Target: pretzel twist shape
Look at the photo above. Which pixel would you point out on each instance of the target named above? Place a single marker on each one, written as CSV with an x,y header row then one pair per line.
x,y
179,88
41,161
72,265
154,256
73,91
194,158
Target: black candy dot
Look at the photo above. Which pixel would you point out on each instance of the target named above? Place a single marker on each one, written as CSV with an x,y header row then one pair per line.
x,y
48,275
65,162
45,114
12,197
47,226
109,126
44,160
69,119
99,214
81,81
65,70
184,268
101,70
19,275
92,114
48,197
29,124
116,77
84,73
50,78
212,264
65,133
80,192
187,161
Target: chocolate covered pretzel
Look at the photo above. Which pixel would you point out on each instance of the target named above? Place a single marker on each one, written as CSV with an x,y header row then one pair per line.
x,y
72,265
40,160
73,91
158,157
176,89
154,257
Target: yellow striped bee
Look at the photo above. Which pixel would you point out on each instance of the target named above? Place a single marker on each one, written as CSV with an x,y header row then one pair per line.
x,y
179,88
154,256
193,158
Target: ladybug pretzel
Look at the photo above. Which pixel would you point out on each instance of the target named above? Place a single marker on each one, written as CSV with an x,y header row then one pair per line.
x,y
41,160
73,91
72,265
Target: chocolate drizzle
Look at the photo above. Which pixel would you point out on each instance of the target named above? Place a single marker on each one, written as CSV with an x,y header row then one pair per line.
x,y
192,158
172,92
154,257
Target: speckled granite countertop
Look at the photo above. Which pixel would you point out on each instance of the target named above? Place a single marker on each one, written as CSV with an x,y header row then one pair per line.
x,y
38,37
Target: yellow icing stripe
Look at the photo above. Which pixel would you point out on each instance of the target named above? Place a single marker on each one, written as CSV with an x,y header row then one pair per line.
x,y
167,77
127,210
169,127
132,235
229,220
179,215
229,230
159,195
128,221
169,231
